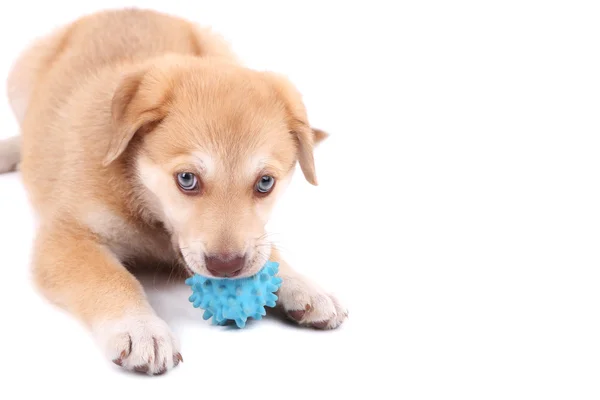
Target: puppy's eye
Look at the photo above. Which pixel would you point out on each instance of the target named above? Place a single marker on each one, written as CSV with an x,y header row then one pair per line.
x,y
187,181
265,184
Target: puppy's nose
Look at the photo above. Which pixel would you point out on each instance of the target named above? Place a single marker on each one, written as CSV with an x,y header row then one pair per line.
x,y
225,265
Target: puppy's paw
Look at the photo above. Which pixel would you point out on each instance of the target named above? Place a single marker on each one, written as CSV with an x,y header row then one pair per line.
x,y
142,343
307,304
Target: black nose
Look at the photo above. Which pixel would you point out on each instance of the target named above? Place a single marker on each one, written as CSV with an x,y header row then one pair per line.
x,y
225,265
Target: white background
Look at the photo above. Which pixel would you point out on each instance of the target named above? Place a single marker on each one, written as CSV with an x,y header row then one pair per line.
x,y
457,216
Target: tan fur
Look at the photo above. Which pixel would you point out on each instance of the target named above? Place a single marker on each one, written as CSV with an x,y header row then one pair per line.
x,y
111,108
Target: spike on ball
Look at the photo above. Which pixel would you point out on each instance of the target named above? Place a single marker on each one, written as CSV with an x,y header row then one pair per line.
x,y
235,299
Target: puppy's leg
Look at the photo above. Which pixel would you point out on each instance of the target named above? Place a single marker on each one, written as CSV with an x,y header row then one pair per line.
x,y
79,274
305,302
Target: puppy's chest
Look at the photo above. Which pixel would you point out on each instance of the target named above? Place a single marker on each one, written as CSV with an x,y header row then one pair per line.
x,y
132,242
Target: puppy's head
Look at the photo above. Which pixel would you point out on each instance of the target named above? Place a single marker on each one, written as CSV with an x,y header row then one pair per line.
x,y
214,146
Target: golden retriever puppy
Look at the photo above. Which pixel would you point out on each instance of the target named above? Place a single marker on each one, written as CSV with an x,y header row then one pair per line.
x,y
144,141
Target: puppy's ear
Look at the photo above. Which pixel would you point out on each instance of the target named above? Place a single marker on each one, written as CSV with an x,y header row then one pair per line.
x,y
319,136
307,137
138,104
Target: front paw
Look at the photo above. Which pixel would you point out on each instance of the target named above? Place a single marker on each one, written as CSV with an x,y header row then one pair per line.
x,y
142,343
308,305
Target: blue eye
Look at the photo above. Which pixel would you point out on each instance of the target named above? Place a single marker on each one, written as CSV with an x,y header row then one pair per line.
x,y
265,184
187,181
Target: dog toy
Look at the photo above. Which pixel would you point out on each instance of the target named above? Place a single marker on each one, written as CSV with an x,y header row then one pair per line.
x,y
237,300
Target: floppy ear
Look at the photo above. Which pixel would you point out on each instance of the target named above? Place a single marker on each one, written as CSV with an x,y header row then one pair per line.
x,y
319,136
307,137
138,104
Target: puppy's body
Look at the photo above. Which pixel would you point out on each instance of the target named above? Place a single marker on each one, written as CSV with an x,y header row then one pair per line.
x,y
68,81
114,108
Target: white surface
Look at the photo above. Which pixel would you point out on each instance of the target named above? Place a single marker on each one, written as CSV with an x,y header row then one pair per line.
x,y
458,212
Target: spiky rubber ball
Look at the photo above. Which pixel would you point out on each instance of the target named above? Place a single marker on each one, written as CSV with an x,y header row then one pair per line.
x,y
224,299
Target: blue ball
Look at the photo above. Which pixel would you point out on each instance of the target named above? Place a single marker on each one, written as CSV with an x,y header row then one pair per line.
x,y
236,300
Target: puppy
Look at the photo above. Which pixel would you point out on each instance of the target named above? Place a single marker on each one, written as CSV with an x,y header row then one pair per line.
x,y
144,141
